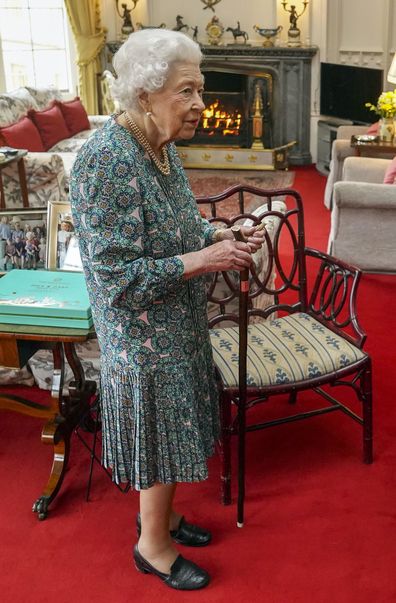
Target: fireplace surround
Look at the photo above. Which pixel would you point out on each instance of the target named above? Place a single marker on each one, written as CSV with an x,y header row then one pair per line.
x,y
284,78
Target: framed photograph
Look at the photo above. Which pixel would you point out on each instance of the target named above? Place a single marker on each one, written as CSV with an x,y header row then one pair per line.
x,y
23,238
62,252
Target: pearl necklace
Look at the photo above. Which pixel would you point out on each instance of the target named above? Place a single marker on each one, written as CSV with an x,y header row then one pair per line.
x,y
162,165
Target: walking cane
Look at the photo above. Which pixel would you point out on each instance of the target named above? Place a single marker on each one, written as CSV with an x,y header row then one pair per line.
x,y
243,321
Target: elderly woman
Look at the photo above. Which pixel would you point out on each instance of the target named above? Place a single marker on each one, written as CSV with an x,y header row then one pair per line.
x,y
144,249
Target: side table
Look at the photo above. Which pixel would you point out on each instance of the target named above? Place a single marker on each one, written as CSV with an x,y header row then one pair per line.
x,y
373,147
18,158
64,412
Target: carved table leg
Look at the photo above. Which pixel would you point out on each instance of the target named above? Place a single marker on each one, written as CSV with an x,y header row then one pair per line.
x,y
53,434
57,432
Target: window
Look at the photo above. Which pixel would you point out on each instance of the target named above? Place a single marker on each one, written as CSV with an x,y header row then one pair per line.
x,y
35,44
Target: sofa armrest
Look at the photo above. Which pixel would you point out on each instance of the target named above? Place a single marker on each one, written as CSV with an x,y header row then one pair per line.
x,y
364,195
363,225
365,169
97,121
45,180
347,131
340,150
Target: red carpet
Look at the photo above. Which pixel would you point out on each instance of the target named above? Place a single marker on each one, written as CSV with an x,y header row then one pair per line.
x,y
320,525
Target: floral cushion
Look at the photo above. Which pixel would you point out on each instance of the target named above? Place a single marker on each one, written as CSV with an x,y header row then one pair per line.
x,y
40,368
41,365
6,113
16,376
17,104
285,350
271,226
43,96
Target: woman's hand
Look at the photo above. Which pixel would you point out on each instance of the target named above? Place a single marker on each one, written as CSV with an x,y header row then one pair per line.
x,y
226,255
254,237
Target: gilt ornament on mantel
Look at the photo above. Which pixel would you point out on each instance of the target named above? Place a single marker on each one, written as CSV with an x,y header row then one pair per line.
x,y
215,31
127,25
293,34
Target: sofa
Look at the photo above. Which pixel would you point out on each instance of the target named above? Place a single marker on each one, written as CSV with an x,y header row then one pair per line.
x,y
53,130
340,150
363,216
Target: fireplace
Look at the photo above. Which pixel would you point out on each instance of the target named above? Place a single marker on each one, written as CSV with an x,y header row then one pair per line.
x,y
230,103
225,119
259,107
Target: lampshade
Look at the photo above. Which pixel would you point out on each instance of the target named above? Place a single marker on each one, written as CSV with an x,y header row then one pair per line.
x,y
392,71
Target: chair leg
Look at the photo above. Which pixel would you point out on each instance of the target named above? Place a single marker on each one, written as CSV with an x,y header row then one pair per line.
x,y
225,448
366,392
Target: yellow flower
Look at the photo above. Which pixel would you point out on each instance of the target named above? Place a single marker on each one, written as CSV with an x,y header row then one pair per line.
x,y
386,104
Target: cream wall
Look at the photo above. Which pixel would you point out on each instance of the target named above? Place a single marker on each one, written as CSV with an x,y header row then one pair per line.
x,y
360,32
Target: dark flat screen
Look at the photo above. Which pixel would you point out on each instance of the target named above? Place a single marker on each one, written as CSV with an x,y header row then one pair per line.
x,y
344,90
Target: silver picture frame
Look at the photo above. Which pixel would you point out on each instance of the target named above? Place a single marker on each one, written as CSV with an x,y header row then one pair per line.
x,y
62,248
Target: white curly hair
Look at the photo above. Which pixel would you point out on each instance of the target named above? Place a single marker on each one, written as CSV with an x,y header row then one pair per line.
x,y
143,61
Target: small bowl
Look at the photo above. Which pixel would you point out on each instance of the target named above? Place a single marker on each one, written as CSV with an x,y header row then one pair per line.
x,y
366,138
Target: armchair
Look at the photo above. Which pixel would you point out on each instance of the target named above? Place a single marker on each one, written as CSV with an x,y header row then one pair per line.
x,y
340,150
307,339
363,217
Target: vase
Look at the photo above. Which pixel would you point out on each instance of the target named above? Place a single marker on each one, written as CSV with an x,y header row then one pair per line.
x,y
386,129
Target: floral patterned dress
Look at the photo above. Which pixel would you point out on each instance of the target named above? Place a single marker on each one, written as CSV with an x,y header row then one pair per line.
x,y
158,392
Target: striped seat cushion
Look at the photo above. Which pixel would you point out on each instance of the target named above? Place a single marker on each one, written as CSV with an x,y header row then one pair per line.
x,y
285,350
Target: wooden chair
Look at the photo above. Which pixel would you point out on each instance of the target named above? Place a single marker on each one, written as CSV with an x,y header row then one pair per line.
x,y
308,338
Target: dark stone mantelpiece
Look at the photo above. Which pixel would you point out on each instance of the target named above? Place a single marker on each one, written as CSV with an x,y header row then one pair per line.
x,y
232,50
290,69
291,73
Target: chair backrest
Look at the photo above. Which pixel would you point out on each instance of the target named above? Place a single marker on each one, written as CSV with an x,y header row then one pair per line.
x,y
107,104
282,252
331,296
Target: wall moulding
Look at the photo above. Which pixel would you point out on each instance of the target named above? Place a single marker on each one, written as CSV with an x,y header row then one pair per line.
x,y
362,58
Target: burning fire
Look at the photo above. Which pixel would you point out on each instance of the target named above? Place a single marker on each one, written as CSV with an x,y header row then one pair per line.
x,y
215,118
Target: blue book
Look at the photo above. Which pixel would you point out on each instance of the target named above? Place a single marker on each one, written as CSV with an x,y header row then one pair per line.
x,y
44,297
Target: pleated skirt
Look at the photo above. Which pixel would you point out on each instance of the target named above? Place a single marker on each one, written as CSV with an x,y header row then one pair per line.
x,y
159,425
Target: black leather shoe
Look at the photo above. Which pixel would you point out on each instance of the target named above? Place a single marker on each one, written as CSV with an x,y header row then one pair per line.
x,y
184,574
186,534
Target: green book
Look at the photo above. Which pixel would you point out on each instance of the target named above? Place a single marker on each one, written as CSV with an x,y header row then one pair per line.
x,y
45,297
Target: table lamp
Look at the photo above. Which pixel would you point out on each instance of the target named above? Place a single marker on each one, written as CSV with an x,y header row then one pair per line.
x,y
392,71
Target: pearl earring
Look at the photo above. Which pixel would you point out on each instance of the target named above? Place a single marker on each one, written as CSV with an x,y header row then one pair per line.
x,y
148,113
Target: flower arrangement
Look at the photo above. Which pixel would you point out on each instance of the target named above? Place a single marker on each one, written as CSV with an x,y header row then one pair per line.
x,y
386,104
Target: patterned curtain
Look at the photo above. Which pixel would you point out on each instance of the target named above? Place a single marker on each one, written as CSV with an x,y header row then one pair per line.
x,y
89,36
